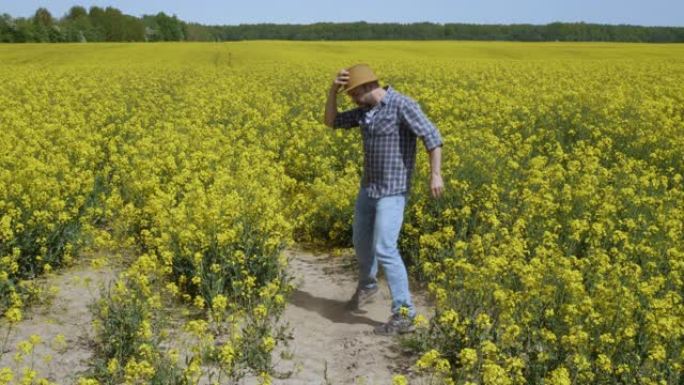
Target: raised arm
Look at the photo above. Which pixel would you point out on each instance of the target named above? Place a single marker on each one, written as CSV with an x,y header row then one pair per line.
x,y
331,105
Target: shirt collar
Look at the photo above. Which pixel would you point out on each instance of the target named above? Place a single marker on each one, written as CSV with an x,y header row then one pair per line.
x,y
385,99
390,93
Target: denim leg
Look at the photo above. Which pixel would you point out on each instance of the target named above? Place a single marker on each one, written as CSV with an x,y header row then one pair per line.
x,y
364,216
389,216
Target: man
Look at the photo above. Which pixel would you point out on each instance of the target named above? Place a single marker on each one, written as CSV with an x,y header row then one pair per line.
x,y
390,123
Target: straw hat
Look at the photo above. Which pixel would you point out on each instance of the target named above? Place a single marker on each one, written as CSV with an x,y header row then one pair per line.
x,y
358,74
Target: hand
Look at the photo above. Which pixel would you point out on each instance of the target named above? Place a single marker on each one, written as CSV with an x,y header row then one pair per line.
x,y
436,185
341,79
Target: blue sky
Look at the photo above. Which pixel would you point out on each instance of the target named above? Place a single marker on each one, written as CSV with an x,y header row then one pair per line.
x,y
653,12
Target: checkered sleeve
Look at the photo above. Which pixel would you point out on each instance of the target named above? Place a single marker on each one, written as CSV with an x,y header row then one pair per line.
x,y
348,119
416,121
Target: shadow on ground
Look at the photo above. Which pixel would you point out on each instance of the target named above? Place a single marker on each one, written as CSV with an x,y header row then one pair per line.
x,y
331,309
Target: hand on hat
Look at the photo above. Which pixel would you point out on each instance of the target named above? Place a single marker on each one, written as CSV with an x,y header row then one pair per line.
x,y
341,79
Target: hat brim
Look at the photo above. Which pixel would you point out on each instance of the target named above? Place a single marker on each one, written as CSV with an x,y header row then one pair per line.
x,y
344,89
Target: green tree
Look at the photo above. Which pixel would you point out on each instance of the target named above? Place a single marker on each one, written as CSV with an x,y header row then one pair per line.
x,y
6,28
43,25
76,24
96,16
162,27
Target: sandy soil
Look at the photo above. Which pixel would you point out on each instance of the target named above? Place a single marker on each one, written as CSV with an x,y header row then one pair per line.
x,y
331,345
67,314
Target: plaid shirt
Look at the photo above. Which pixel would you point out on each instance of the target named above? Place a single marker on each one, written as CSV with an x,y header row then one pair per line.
x,y
389,131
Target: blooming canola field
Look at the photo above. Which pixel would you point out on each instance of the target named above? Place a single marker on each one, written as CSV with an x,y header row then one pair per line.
x,y
555,256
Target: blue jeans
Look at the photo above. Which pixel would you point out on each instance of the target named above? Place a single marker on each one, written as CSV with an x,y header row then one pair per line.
x,y
377,222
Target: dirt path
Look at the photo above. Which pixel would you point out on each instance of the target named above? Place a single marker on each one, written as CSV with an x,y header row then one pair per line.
x,y
331,345
67,315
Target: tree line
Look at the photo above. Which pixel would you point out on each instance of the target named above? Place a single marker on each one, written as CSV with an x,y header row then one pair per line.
x,y
110,24
94,24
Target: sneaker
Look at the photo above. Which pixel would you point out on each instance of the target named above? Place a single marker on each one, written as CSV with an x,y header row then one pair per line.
x,y
360,298
395,325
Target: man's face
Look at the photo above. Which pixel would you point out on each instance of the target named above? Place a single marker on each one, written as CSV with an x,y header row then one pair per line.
x,y
361,95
